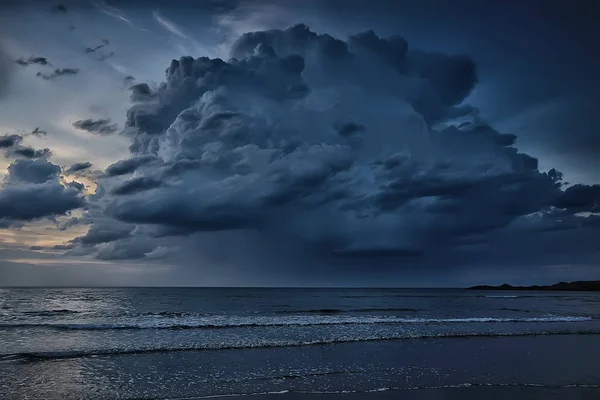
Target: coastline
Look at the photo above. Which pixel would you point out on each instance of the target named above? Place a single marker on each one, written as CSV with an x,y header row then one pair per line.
x,y
578,286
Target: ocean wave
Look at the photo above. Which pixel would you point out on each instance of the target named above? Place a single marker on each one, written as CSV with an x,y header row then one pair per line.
x,y
352,310
174,313
50,313
53,355
219,322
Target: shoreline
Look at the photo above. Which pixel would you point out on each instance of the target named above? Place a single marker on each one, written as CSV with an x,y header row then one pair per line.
x,y
578,286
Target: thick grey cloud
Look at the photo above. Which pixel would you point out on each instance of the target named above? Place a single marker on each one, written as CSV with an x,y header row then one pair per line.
x,y
136,185
8,141
129,249
29,152
32,171
141,92
129,165
344,148
96,126
78,167
104,232
13,146
58,73
30,201
32,190
580,198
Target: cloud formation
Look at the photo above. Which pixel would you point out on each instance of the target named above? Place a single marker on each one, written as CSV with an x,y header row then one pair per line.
x,y
33,60
343,148
78,167
33,190
96,126
345,151
38,132
58,73
7,140
29,152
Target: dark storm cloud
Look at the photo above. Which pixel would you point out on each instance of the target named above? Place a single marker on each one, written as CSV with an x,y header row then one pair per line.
x,y
130,249
58,73
141,92
13,144
136,185
96,126
32,171
7,141
102,232
580,198
77,167
29,152
32,190
332,146
129,165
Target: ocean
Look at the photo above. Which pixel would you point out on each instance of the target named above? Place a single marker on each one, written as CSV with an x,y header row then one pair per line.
x,y
174,343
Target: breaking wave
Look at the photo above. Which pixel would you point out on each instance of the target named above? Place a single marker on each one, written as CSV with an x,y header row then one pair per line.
x,y
52,355
221,322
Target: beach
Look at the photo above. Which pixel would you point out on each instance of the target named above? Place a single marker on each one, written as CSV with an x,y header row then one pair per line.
x,y
346,350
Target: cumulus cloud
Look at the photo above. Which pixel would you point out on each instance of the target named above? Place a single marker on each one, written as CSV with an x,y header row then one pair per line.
x,y
341,148
32,171
96,126
32,190
141,92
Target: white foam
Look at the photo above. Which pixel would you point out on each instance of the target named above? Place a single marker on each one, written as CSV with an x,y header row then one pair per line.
x,y
215,322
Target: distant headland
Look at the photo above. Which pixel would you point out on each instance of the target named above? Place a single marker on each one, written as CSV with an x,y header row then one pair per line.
x,y
578,286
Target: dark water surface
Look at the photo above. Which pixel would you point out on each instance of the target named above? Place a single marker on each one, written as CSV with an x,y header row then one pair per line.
x,y
178,343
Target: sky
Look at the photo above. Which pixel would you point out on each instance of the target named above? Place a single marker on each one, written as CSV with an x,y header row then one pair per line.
x,y
298,143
